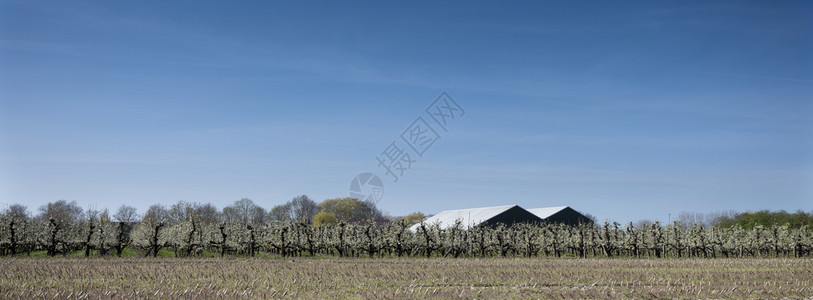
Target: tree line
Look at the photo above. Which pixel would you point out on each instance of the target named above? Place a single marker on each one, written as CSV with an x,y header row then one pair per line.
x,y
347,227
764,218
747,219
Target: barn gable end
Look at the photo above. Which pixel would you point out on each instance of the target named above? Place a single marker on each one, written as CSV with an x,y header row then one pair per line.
x,y
560,214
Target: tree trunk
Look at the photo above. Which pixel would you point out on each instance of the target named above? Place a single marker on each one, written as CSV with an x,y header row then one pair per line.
x,y
13,238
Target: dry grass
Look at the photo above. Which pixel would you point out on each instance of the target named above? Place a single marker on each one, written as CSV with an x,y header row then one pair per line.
x,y
68,278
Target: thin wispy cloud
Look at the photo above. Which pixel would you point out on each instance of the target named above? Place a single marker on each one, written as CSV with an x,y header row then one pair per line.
x,y
757,77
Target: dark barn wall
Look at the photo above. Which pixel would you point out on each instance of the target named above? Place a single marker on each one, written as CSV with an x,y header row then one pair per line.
x,y
513,215
568,216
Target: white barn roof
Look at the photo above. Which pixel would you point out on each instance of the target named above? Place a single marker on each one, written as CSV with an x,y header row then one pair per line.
x,y
545,212
468,217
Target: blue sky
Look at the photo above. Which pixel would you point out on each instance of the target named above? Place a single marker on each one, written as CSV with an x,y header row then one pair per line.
x,y
626,111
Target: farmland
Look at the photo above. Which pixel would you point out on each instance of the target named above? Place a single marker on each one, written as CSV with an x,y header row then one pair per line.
x,y
274,277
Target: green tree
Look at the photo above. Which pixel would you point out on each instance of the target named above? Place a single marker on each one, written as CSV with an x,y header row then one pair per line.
x,y
413,218
324,218
350,210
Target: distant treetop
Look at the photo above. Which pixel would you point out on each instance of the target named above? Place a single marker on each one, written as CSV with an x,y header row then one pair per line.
x,y
748,220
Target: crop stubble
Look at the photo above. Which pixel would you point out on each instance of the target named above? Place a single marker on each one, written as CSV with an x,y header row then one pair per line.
x,y
76,278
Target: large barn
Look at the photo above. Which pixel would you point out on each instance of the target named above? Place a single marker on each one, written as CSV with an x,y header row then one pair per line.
x,y
483,216
507,214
